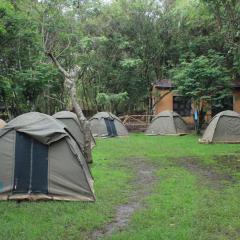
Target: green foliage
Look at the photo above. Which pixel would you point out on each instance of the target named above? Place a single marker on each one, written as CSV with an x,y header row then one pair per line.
x,y
227,18
203,78
130,63
6,12
103,99
121,46
112,102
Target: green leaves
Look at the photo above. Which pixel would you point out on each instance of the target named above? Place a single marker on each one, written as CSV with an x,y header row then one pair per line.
x,y
6,11
122,46
111,102
203,78
130,63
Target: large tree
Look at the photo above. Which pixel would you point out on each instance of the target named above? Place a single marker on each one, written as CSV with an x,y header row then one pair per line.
x,y
205,80
55,45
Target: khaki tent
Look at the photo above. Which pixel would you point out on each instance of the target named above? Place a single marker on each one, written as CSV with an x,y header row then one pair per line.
x,y
70,120
40,160
104,124
224,127
2,123
167,123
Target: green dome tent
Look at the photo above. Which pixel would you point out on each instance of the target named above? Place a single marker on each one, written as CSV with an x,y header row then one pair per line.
x,y
70,120
167,123
223,128
105,124
40,160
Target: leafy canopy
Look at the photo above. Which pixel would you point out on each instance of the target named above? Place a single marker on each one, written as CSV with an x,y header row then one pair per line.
x,y
202,78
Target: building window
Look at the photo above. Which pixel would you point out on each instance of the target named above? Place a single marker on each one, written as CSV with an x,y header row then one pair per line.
x,y
182,105
226,104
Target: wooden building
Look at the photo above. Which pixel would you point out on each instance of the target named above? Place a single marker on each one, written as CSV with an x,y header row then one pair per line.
x,y
164,98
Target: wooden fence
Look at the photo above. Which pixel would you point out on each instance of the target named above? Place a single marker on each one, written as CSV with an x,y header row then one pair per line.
x,y
136,122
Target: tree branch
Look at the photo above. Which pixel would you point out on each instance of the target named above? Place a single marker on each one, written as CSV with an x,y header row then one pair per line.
x,y
58,65
68,45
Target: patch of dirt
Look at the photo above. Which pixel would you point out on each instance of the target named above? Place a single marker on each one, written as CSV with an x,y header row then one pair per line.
x,y
230,161
143,186
207,175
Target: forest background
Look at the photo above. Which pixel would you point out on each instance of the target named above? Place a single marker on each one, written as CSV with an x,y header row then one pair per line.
x,y
121,47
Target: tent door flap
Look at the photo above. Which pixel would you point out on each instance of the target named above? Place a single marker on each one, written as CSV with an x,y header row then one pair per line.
x,y
110,127
31,165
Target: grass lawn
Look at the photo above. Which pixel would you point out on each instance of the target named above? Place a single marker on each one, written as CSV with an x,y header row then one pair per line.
x,y
195,195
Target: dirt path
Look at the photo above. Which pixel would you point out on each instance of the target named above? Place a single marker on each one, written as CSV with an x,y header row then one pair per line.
x,y
206,175
143,185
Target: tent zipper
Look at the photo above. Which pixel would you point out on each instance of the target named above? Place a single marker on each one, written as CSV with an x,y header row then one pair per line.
x,y
31,169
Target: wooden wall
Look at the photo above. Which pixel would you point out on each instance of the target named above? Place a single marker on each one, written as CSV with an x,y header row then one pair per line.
x,y
236,101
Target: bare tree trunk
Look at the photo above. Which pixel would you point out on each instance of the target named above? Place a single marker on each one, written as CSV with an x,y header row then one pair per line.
x,y
70,86
48,107
84,123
